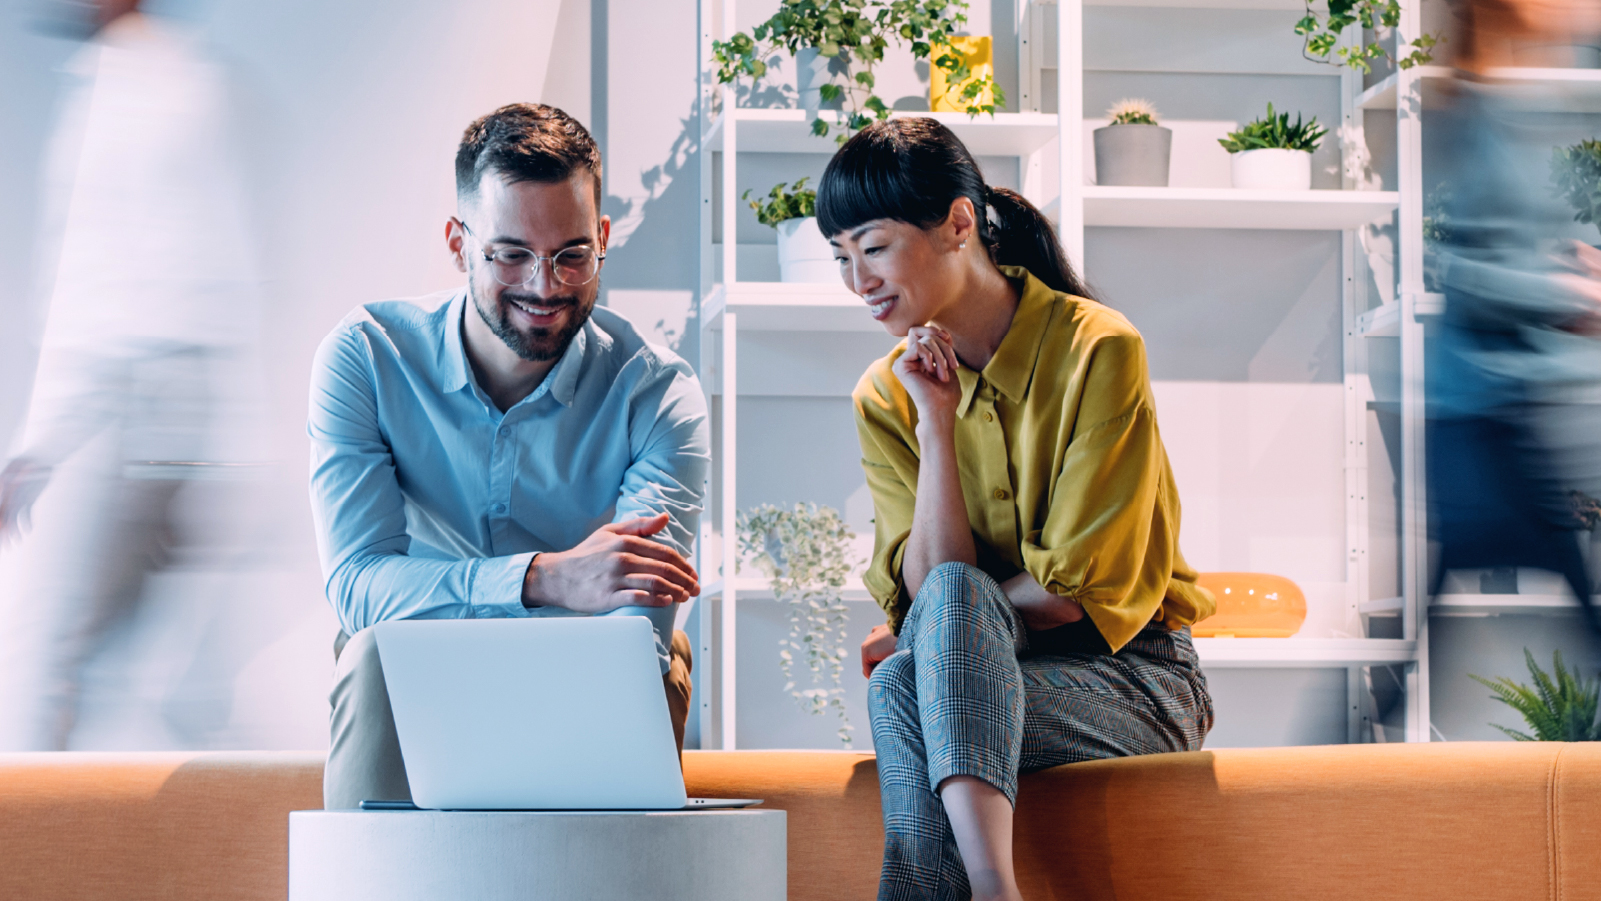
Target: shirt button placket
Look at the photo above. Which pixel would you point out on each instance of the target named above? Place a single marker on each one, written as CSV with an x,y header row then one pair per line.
x,y
1005,520
501,456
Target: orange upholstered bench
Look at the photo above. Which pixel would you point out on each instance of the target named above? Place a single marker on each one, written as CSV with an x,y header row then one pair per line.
x,y
1453,822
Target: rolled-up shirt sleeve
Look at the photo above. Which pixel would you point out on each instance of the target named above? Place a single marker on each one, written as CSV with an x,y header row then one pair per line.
x,y
1105,541
671,448
890,465
360,512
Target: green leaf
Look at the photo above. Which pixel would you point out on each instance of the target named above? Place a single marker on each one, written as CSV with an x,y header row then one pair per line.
x,y
1561,705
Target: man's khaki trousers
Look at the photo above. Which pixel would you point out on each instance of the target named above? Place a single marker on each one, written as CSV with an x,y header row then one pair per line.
x,y
364,761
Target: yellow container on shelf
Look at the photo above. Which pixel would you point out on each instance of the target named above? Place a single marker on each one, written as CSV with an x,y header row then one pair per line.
x,y
979,55
1251,605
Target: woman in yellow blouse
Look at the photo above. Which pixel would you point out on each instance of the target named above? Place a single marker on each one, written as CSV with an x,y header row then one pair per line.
x,y
1027,522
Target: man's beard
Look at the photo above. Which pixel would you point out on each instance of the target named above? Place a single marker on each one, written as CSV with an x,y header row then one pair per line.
x,y
536,345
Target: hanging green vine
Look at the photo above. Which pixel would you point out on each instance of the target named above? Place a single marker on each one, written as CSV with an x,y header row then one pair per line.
x,y
805,553
1322,33
858,31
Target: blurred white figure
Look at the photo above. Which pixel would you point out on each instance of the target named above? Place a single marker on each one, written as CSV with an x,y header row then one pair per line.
x,y
151,310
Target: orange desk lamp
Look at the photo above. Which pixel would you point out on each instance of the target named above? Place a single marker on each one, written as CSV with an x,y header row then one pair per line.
x,y
1251,605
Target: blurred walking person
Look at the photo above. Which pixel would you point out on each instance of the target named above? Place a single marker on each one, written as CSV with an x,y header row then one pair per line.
x,y
150,286
1514,371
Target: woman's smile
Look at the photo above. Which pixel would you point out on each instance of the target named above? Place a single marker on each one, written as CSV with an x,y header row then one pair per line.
x,y
880,308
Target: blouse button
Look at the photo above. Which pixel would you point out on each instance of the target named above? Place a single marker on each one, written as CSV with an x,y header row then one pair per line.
x,y
1000,494
988,416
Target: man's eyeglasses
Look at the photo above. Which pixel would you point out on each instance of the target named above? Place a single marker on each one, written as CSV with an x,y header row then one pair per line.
x,y
515,267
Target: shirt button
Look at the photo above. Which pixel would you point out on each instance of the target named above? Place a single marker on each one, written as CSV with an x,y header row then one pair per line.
x,y
498,508
1000,494
988,416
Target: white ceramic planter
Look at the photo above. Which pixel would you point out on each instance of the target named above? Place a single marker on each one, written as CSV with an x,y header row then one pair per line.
x,y
1272,170
804,255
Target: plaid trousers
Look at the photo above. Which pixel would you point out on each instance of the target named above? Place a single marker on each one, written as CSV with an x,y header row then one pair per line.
x,y
961,697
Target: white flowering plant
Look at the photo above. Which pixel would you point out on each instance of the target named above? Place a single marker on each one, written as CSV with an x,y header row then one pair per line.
x,y
806,554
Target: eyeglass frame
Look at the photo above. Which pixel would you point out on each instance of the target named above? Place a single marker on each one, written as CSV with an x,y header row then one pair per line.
x,y
538,259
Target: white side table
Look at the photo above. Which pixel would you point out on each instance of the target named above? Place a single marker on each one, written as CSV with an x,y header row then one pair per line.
x,y
703,855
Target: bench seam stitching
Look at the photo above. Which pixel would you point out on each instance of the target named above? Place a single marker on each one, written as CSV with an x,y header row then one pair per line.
x,y
1553,824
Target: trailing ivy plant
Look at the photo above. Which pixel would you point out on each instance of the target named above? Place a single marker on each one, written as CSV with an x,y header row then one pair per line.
x,y
857,31
1322,34
783,205
805,553
1274,132
1561,706
1132,111
957,72
1576,175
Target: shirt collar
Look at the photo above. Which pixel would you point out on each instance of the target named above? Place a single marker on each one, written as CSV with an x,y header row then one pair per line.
x,y
452,353
561,382
1011,369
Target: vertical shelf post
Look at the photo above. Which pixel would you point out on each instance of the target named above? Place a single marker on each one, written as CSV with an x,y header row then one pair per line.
x,y
1414,488
727,656
1070,121
730,166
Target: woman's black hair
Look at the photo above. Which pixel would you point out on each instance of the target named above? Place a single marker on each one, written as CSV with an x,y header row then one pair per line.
x,y
911,170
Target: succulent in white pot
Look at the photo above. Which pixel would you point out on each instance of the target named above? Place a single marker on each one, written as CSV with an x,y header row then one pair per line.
x,y
1270,154
1133,149
804,255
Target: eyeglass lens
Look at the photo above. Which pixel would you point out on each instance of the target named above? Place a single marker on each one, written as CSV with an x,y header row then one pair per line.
x,y
514,267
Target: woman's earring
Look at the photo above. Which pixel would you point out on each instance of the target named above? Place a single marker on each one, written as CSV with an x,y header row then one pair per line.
x,y
962,245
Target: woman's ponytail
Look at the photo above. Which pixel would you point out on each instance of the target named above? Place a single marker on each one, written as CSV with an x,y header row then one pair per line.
x,y
1020,235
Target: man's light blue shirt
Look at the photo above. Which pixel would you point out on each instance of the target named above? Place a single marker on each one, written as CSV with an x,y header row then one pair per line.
x,y
430,502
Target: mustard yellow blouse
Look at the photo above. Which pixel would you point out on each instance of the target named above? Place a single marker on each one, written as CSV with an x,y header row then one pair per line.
x,y
1062,468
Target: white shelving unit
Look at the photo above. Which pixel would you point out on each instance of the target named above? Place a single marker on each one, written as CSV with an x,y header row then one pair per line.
x,y
1384,320
1561,90
1042,142
1504,604
1293,653
785,130
1231,208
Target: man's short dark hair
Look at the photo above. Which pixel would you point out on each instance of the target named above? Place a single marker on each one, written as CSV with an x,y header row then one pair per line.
x,y
525,142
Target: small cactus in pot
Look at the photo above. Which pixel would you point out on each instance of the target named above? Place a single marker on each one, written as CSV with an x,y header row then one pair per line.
x,y
1133,150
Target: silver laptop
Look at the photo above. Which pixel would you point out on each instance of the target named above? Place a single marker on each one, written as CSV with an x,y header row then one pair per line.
x,y
534,714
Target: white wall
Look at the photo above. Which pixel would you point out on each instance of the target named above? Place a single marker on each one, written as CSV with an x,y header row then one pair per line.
x,y
355,110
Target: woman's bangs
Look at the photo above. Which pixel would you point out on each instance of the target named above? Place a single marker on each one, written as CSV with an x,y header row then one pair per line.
x,y
862,184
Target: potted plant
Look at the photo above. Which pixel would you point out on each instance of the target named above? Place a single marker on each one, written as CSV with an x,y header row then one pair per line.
x,y
962,79
805,553
804,255
836,45
1322,29
1133,149
1270,154
1576,176
1560,707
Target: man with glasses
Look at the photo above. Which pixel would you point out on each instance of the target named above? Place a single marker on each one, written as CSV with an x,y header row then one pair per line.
x,y
505,449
